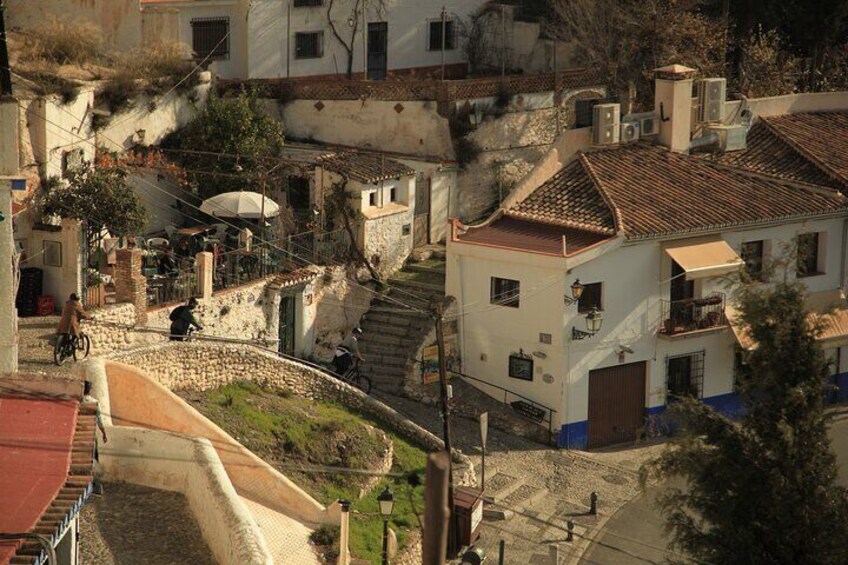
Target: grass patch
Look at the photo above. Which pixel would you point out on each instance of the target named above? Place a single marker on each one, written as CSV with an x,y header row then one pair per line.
x,y
416,276
295,435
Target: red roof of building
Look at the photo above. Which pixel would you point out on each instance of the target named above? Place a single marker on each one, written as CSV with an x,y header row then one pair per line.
x,y
36,435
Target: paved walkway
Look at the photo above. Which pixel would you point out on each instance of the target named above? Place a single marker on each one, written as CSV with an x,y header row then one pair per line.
x,y
287,539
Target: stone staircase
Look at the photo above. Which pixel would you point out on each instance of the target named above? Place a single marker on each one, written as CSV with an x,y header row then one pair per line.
x,y
392,332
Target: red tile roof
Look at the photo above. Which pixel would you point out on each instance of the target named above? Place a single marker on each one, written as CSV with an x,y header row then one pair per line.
x,y
646,191
568,199
771,154
657,192
821,137
535,237
364,167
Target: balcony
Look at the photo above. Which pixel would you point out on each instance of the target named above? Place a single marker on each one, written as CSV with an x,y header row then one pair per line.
x,y
693,315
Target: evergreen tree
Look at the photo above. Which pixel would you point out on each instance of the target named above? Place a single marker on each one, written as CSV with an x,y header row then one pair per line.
x,y
761,490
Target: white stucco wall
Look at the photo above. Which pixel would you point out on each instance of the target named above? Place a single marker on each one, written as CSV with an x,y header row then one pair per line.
x,y
418,130
159,198
635,281
61,281
270,25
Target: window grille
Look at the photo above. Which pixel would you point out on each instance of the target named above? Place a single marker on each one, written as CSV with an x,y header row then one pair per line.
x,y
210,37
684,376
504,292
309,45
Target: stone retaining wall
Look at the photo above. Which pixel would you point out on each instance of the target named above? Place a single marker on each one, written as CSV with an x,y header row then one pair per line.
x,y
201,366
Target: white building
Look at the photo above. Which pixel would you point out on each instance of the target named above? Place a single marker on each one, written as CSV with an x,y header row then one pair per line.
x,y
261,39
651,235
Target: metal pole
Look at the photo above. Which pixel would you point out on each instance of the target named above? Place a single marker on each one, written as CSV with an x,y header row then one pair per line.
x,y
288,40
483,471
364,43
262,224
557,100
443,382
444,35
501,547
385,542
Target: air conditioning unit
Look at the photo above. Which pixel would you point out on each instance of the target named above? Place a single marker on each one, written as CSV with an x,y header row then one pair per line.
x,y
648,123
629,132
730,138
711,94
605,124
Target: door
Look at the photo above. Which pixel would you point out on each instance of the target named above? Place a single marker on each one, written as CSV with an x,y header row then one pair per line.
x,y
378,50
616,404
682,291
421,229
287,325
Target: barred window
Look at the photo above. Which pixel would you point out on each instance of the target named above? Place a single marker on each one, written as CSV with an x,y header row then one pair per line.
x,y
435,43
684,376
305,3
309,45
210,37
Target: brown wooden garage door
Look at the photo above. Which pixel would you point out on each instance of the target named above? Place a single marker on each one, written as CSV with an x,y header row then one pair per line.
x,y
616,404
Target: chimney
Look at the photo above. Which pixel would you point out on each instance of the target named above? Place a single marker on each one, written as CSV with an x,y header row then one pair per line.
x,y
673,104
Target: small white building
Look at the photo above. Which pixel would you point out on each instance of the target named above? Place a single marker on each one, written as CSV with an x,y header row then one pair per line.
x,y
650,234
261,39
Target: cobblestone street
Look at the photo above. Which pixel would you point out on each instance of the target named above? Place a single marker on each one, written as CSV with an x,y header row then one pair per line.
x,y
539,488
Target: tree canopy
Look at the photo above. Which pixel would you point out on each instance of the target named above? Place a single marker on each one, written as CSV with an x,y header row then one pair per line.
x,y
228,147
762,490
100,197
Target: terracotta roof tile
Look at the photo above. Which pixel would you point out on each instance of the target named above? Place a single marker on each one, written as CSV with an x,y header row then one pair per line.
x,y
568,199
770,154
822,137
535,237
658,192
364,167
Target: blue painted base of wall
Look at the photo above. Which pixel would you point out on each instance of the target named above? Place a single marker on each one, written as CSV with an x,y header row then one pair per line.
x,y
841,382
574,435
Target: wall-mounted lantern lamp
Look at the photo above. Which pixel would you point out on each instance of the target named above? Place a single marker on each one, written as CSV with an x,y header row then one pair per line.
x,y
576,293
594,321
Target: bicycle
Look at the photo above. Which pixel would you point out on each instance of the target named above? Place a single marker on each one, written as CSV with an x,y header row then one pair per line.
x,y
353,377
68,346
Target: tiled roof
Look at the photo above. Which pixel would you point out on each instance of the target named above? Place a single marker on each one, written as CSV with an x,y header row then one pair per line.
x,y
364,167
822,137
657,192
294,278
568,199
523,235
770,154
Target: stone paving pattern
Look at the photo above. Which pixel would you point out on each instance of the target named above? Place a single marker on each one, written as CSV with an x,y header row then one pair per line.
x,y
135,525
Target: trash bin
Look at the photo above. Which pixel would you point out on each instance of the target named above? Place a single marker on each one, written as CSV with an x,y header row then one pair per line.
x,y
469,514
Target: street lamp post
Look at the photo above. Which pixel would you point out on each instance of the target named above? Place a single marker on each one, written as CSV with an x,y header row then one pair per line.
x,y
387,503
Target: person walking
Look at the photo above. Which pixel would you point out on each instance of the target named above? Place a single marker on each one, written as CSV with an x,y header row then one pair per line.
x,y
182,319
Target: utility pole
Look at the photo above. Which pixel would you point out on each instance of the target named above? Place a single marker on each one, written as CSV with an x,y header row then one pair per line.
x,y
444,36
5,72
443,385
557,95
437,516
288,39
503,41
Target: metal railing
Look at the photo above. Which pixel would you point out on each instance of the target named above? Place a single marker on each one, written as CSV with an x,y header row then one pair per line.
x,y
693,314
547,412
170,288
322,248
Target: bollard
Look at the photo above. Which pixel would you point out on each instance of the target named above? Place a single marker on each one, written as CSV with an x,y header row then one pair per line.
x,y
553,554
593,503
501,547
570,535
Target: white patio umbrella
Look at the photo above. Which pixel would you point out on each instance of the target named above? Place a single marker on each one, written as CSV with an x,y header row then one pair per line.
x,y
241,204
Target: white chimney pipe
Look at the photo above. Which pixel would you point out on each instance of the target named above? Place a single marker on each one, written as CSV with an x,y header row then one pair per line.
x,y
673,104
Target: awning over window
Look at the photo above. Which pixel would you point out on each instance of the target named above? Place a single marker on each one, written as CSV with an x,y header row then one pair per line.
x,y
705,259
828,308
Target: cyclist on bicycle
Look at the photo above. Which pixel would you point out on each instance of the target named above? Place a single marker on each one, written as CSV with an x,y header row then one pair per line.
x,y
72,313
182,318
346,351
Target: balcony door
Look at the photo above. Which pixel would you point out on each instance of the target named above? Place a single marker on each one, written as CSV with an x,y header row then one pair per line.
x,y
681,289
378,50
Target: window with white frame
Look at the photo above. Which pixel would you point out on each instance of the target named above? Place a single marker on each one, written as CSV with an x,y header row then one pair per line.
x,y
684,376
393,194
309,45
435,37
372,198
210,37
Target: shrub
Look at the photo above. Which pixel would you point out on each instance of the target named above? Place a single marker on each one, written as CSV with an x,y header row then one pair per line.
x,y
63,42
